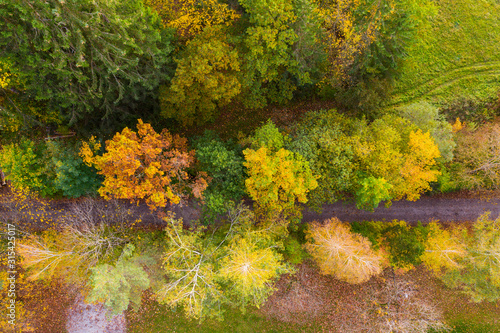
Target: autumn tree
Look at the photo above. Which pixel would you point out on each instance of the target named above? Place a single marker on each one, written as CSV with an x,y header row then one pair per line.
x,y
476,163
428,119
189,17
445,249
145,165
388,159
479,272
70,254
391,148
339,252
205,78
234,266
277,177
95,58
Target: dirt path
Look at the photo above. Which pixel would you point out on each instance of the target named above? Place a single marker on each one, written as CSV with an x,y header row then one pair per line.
x,y
424,210
454,208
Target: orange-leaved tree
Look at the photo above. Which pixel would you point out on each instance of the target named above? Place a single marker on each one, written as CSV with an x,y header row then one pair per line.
x,y
340,252
145,165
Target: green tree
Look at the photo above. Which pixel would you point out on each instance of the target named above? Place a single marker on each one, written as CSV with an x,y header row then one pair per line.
x,y
371,192
223,163
323,141
73,178
93,57
269,65
120,284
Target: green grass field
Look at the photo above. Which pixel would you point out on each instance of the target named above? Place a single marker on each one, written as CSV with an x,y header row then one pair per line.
x,y
457,56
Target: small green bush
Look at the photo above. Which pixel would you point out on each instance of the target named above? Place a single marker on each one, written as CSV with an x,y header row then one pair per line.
x,y
223,162
293,252
73,178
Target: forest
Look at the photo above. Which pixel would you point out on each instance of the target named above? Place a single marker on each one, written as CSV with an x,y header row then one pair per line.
x,y
116,114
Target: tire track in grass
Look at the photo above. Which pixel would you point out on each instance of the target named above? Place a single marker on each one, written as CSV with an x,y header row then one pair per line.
x,y
479,70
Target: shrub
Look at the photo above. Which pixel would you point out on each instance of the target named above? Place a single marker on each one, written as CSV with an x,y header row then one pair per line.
x,y
73,178
26,165
223,163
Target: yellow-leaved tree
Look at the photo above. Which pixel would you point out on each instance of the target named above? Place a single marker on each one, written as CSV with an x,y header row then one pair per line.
x,y
393,149
190,17
205,78
145,165
277,177
340,252
444,249
235,265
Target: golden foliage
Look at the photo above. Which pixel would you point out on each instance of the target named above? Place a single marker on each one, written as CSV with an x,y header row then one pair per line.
x,y
417,170
251,266
444,249
145,165
205,78
340,252
190,17
277,179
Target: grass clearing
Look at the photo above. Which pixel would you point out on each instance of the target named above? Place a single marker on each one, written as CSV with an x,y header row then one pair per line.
x,y
456,56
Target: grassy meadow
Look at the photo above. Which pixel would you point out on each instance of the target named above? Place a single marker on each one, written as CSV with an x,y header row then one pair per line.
x,y
456,56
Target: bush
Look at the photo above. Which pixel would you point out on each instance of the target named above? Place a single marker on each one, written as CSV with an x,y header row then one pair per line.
x,y
223,162
293,252
26,165
73,178
49,168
